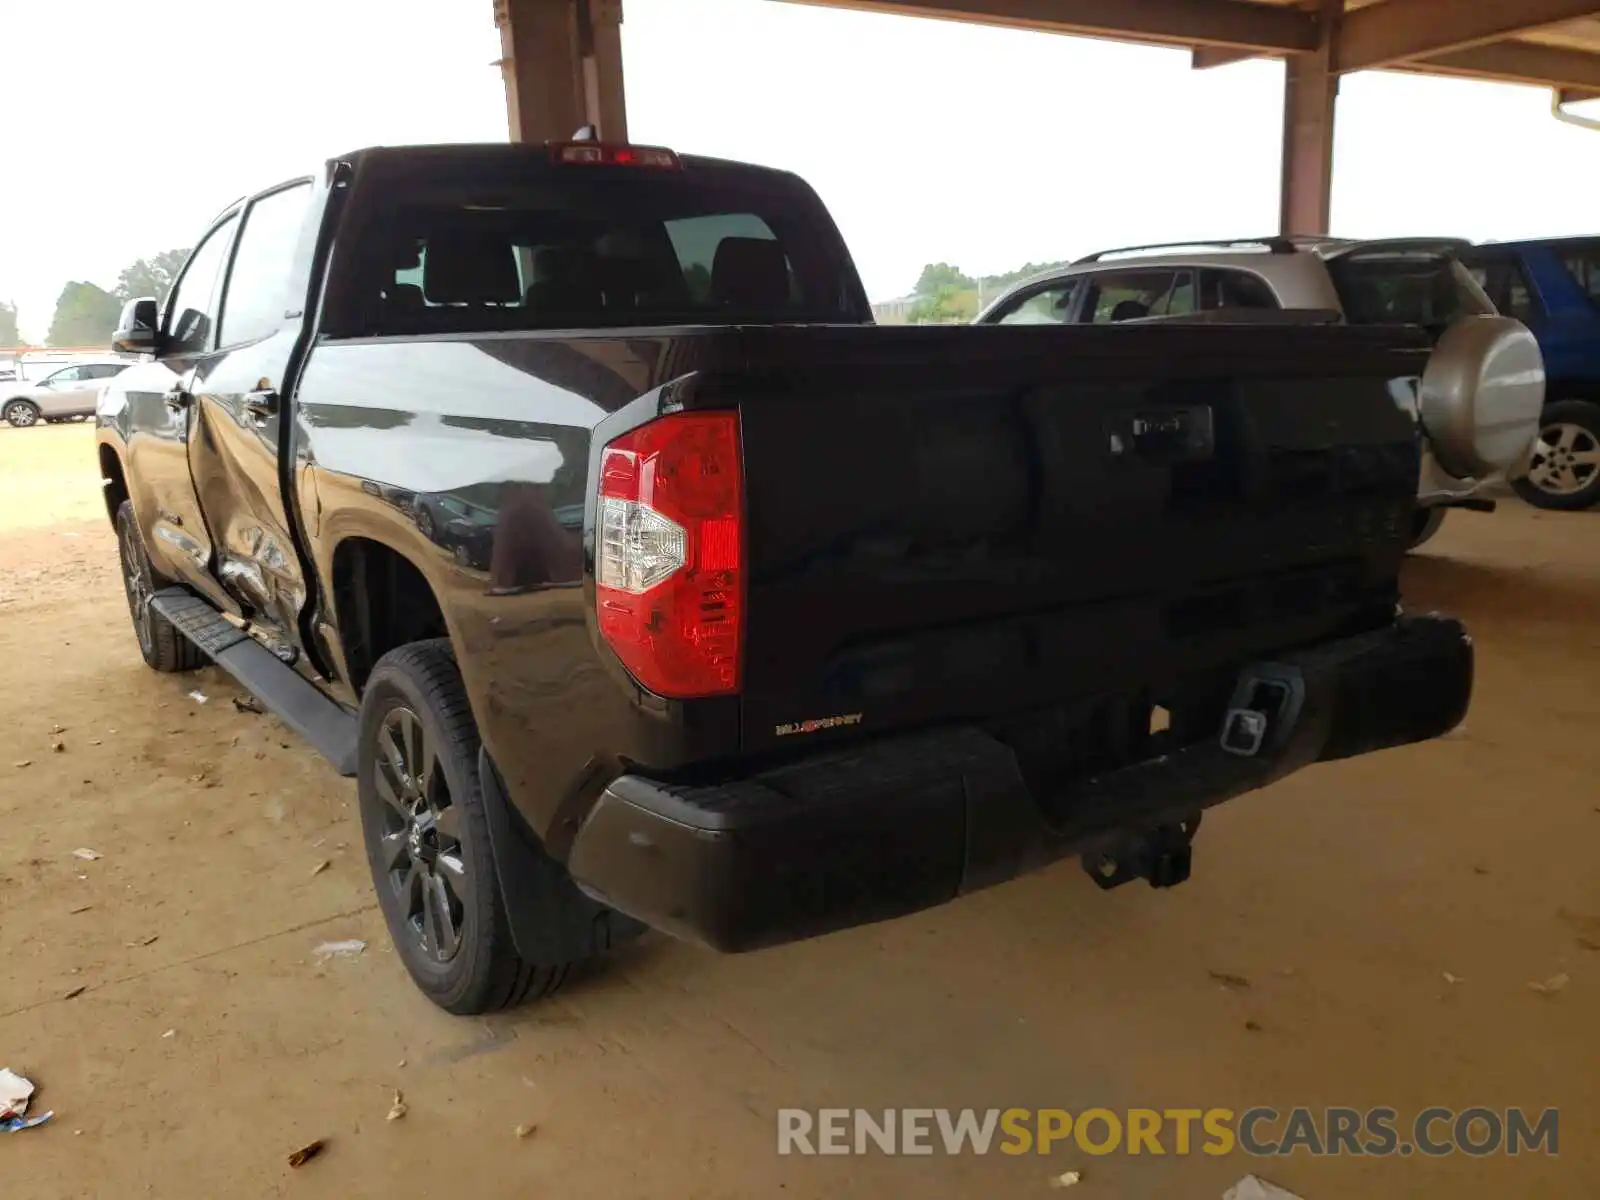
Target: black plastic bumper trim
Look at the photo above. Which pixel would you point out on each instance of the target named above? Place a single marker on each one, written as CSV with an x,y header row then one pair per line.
x,y
899,824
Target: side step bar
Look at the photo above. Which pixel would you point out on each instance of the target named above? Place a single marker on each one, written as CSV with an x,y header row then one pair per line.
x,y
289,697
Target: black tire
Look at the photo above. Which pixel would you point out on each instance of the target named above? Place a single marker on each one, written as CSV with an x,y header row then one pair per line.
x,y
1425,523
1564,474
427,837
164,648
20,414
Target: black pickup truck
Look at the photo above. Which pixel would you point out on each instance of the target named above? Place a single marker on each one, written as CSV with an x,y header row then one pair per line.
x,y
567,497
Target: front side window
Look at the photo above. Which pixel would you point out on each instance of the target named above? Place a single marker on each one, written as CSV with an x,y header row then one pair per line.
x,y
258,283
191,308
70,375
1048,306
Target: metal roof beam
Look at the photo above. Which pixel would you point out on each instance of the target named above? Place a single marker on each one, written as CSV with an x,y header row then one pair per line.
x,y
1203,58
1516,62
1402,31
1270,28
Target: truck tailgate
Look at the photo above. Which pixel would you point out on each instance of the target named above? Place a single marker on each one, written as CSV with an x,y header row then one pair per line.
x,y
969,523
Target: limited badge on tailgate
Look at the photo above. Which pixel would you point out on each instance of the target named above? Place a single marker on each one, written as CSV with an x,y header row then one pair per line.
x,y
1162,435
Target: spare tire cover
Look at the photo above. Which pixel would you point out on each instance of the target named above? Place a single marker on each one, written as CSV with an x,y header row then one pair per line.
x,y
1482,393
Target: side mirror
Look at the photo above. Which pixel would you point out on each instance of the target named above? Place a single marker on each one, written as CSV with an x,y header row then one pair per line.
x,y
136,328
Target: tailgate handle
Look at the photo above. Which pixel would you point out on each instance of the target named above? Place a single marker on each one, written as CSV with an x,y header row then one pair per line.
x,y
1166,435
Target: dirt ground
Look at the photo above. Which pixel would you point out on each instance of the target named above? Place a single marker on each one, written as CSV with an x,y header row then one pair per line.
x,y
209,1040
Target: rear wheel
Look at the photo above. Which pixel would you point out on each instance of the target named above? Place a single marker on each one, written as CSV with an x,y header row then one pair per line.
x,y
21,413
1564,472
427,837
163,647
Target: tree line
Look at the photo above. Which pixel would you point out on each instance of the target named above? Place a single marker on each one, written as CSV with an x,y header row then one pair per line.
x,y
945,293
86,314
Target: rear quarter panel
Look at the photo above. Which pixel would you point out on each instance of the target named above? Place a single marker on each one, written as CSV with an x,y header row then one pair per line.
x,y
387,431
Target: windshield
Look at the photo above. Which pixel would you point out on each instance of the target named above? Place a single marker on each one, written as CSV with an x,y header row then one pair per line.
x,y
583,248
1405,289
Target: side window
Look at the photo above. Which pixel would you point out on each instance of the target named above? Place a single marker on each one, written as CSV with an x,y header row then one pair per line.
x,y
1179,300
1506,284
70,375
191,308
1235,289
103,370
1583,264
1049,306
258,284
1128,295
1518,295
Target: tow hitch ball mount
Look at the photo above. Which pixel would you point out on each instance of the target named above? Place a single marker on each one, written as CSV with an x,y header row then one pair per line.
x,y
1161,856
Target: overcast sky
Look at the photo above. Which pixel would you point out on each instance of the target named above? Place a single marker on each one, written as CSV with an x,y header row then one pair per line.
x,y
132,124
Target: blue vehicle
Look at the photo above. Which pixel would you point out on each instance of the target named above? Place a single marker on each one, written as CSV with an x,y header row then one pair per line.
x,y
1553,287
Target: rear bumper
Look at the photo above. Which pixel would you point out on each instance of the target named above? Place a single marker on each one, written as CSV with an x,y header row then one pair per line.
x,y
900,824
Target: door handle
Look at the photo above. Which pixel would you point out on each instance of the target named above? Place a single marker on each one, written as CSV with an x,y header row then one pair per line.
x,y
177,399
263,402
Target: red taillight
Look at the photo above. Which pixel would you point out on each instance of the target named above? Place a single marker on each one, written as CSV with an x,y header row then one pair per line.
x,y
669,560
602,154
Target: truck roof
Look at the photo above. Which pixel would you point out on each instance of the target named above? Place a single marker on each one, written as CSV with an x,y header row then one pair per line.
x,y
510,151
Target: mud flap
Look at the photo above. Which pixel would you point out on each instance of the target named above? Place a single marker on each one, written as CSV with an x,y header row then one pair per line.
x,y
552,921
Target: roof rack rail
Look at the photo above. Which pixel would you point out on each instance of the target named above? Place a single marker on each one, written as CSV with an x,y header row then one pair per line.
x,y
1275,244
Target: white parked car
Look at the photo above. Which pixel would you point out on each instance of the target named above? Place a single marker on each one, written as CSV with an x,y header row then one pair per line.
x,y
64,394
1479,403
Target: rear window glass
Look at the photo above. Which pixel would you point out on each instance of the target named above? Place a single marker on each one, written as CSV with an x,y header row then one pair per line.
x,y
602,251
1403,290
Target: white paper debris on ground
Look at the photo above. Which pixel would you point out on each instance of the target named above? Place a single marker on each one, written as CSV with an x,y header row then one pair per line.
x,y
345,949
15,1092
86,854
398,1108
171,1033
1253,1187
198,696
1549,987
1066,1179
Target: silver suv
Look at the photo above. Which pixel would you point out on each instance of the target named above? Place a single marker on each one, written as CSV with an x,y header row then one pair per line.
x,y
64,394
1478,403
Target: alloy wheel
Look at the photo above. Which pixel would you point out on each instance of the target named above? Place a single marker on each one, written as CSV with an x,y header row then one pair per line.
x,y
421,835
137,583
20,414
1566,458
